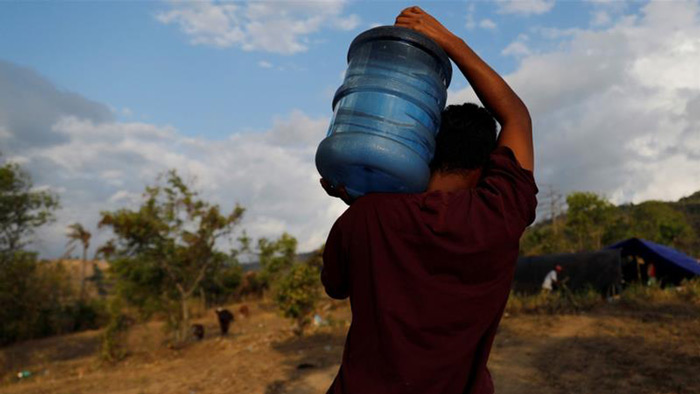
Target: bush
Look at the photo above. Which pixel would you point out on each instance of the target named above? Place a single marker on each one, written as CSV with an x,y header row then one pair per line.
x,y
296,294
113,346
38,301
639,295
690,290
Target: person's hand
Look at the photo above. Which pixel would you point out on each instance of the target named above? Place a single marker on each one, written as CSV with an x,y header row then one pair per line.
x,y
417,19
339,192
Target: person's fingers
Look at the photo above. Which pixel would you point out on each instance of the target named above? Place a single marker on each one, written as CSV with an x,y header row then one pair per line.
x,y
412,10
403,20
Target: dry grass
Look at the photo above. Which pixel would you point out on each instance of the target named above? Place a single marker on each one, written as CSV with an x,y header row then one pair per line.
x,y
648,347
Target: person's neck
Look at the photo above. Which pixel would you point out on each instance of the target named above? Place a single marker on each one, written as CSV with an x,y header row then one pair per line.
x,y
451,181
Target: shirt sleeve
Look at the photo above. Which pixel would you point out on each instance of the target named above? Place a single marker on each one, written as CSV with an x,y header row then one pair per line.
x,y
509,189
334,273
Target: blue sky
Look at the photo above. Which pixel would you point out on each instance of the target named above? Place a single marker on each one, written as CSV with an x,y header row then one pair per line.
x,y
97,98
119,53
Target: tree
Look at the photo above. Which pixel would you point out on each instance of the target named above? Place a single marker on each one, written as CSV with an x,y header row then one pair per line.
x,y
218,287
659,222
587,217
276,257
544,239
296,294
25,292
22,209
295,285
78,234
166,248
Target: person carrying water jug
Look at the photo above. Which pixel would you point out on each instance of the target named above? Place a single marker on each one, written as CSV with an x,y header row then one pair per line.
x,y
429,274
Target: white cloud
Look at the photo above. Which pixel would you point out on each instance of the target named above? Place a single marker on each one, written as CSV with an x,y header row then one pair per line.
x,y
487,24
18,159
525,7
617,110
271,26
518,47
604,12
601,18
102,164
271,173
4,133
470,22
265,64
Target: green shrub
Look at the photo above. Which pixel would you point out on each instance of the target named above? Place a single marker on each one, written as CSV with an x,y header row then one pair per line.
x,y
639,294
296,294
690,290
113,346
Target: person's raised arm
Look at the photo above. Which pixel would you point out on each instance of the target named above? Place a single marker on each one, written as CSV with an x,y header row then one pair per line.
x,y
510,112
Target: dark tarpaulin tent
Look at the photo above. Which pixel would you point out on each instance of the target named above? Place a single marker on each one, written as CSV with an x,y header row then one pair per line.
x,y
599,270
671,265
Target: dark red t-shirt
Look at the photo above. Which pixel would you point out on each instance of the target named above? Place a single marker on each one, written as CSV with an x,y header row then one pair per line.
x,y
428,276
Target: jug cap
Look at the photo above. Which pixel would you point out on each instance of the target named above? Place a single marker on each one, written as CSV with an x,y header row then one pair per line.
x,y
409,35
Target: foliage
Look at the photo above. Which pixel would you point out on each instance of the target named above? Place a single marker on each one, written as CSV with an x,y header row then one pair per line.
x,y
544,240
99,279
586,219
690,206
295,285
112,346
592,222
658,222
251,285
22,209
78,234
38,300
276,257
165,249
316,259
690,290
220,287
297,293
640,295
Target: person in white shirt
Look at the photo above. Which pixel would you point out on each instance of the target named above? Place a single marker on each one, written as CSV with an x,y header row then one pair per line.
x,y
551,279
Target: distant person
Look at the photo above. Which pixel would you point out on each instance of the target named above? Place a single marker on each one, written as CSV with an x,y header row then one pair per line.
x,y
651,275
225,319
551,281
428,274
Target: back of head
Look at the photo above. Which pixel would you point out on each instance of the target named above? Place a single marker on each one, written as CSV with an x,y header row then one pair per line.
x,y
466,138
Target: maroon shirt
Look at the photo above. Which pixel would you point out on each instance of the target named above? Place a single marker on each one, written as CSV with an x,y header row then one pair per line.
x,y
428,276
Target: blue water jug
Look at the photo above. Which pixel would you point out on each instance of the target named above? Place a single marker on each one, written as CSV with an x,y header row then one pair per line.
x,y
386,113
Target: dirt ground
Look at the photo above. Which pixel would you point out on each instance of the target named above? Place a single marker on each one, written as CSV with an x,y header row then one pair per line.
x,y
609,350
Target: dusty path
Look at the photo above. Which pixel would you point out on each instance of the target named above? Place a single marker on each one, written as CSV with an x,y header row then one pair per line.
x,y
513,358
512,362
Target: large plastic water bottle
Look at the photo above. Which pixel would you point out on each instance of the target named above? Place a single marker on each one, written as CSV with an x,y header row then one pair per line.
x,y
386,113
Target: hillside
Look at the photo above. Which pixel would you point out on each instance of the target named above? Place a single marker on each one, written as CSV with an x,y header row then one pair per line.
x,y
612,349
690,206
600,223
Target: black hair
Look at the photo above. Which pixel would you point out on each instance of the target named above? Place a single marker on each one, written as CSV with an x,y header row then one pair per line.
x,y
466,138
